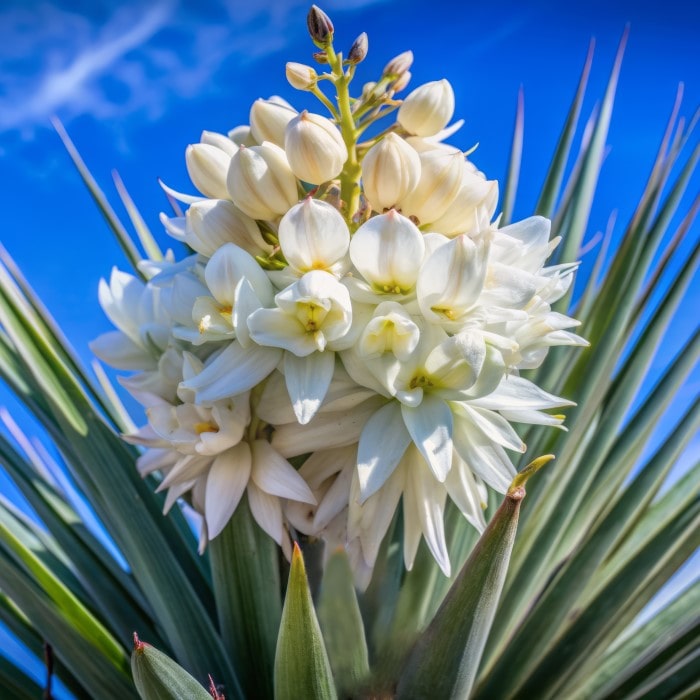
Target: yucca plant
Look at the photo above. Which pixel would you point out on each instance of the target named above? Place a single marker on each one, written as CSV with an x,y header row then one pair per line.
x,y
419,330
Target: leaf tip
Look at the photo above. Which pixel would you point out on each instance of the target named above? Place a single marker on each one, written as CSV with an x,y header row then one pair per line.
x,y
517,486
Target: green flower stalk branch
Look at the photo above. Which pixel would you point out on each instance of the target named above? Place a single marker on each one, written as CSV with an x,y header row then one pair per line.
x,y
349,365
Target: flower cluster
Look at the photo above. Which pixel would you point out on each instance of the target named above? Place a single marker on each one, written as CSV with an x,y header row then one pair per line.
x,y
349,329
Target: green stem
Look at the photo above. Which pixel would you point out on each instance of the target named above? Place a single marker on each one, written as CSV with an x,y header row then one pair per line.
x,y
350,176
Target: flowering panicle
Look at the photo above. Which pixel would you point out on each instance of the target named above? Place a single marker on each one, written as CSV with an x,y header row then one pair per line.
x,y
349,305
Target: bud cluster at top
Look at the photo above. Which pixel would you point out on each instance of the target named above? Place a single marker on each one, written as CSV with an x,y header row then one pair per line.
x,y
349,329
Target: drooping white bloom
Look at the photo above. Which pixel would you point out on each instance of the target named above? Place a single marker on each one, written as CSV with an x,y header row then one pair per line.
x,y
315,148
269,119
260,182
207,166
390,172
311,321
428,108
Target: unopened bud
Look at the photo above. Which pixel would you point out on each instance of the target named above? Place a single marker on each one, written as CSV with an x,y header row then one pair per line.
x,y
402,81
428,108
474,203
220,141
260,182
269,119
320,26
399,64
390,171
242,135
211,223
300,76
439,184
207,166
358,50
314,147
158,676
320,57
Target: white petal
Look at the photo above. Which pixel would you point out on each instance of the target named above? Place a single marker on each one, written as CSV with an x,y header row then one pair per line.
x,y
518,393
308,379
424,506
120,352
430,427
234,371
313,235
267,511
492,425
227,267
226,481
388,250
463,489
275,475
382,444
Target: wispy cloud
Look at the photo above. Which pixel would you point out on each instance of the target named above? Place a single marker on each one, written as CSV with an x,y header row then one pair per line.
x,y
132,59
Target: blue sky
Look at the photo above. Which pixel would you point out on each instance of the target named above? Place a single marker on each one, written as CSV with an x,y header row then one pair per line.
x,y
135,82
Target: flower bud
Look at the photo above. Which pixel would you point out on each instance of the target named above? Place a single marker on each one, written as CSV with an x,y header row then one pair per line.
x,y
358,50
390,172
260,182
402,82
439,184
320,26
211,223
320,57
398,65
220,141
473,206
428,108
242,135
269,119
207,166
300,76
315,148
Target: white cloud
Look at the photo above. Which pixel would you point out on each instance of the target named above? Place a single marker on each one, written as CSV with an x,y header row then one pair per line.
x,y
134,59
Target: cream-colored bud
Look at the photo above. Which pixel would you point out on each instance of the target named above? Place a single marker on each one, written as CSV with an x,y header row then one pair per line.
x,y
211,223
428,108
439,185
300,76
260,181
269,119
475,201
242,136
314,147
220,141
390,172
207,166
399,64
402,82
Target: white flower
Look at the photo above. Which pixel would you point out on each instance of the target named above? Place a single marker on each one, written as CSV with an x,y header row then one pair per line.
x,y
315,148
260,182
269,119
207,166
312,319
428,108
314,236
390,172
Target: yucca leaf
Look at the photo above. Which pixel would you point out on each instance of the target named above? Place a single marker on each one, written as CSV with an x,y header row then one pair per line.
x,y
623,595
302,669
247,590
516,152
562,594
646,648
15,684
445,659
158,677
111,590
341,625
148,242
32,557
585,186
555,174
120,233
97,673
